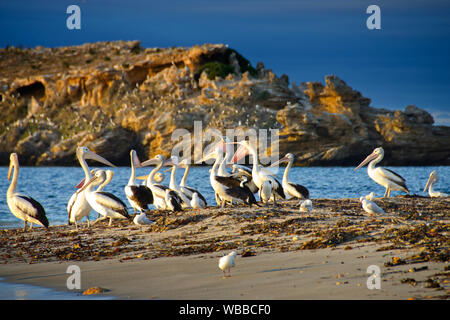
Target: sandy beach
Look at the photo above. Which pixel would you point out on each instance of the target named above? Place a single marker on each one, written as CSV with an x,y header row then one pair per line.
x,y
282,253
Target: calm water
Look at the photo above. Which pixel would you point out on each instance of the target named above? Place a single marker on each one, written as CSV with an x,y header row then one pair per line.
x,y
53,186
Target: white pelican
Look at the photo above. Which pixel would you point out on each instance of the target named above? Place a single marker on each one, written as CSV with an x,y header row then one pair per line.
x,y
109,177
306,205
385,177
291,190
370,206
258,173
158,190
265,192
105,203
227,262
139,196
142,219
78,207
189,191
22,206
430,183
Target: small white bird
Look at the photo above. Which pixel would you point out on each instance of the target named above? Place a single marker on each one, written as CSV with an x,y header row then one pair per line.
x,y
370,196
227,262
195,201
430,183
306,205
142,219
266,192
370,206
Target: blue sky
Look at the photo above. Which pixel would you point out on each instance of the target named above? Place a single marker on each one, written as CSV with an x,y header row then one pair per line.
x,y
406,62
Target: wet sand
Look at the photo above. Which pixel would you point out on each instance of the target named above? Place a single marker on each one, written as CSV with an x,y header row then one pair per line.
x,y
282,253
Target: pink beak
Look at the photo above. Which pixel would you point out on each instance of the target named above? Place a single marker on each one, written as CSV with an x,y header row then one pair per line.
x,y
137,162
240,153
81,184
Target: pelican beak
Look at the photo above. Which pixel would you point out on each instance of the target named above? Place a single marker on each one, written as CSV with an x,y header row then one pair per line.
x,y
275,164
80,185
430,179
136,161
149,162
11,165
168,169
142,177
168,162
87,184
93,156
369,158
241,152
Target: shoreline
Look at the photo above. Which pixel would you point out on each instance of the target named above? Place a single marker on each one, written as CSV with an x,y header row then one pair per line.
x,y
282,254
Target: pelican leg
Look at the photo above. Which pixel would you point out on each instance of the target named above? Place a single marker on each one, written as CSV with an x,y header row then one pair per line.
x,y
25,225
76,225
110,222
385,193
31,226
229,272
389,192
88,222
99,219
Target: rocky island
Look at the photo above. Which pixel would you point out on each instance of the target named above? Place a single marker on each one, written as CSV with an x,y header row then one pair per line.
x,y
121,94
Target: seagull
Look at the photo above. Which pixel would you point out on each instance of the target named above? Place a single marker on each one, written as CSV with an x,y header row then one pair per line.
x,y
227,262
430,183
370,196
370,207
306,205
265,192
385,177
142,219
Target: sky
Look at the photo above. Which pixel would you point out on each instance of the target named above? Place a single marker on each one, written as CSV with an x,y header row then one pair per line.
x,y
406,62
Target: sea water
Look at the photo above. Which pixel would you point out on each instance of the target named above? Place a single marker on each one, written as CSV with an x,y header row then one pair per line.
x,y
53,186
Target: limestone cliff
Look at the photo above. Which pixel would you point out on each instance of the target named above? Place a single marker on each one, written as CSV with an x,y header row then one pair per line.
x,y
114,96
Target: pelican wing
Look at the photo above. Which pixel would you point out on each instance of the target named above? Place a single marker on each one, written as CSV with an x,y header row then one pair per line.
x,y
395,177
112,202
228,181
192,190
141,194
31,207
303,191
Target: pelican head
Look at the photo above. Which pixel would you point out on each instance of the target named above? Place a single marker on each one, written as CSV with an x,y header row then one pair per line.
x,y
98,178
378,153
158,159
85,153
433,178
288,157
13,163
135,159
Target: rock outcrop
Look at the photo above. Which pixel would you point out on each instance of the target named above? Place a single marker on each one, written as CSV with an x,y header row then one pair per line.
x,y
114,96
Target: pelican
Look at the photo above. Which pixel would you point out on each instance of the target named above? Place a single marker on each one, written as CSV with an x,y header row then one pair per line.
x,y
265,192
158,190
105,203
306,205
227,262
430,183
189,191
385,177
22,206
142,219
139,196
218,183
78,207
291,190
370,206
258,173
109,177
241,170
